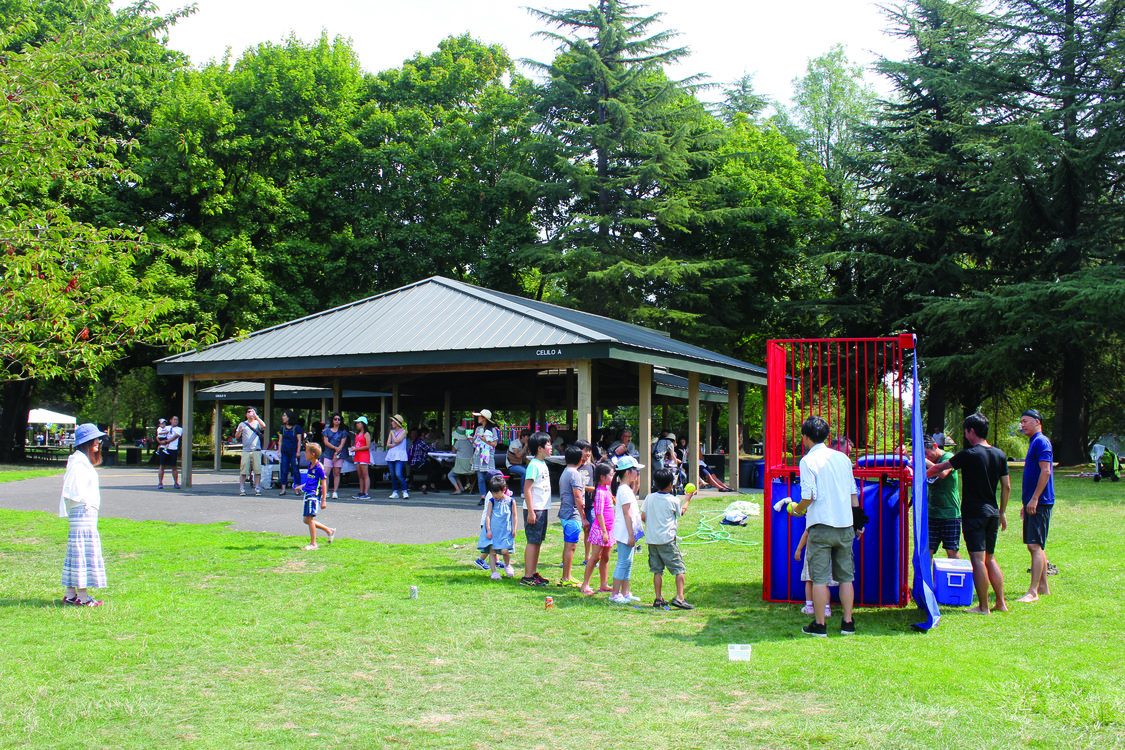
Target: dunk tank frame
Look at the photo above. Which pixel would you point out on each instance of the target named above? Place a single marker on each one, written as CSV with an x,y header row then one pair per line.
x,y
852,383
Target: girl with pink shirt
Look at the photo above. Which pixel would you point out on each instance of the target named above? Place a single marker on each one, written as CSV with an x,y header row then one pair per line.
x,y
601,530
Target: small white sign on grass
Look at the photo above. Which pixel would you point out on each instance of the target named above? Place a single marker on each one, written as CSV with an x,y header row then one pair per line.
x,y
739,651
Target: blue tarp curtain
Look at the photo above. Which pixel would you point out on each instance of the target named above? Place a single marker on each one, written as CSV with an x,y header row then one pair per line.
x,y
923,586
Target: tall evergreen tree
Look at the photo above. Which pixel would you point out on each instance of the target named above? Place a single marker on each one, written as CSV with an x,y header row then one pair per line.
x,y
617,136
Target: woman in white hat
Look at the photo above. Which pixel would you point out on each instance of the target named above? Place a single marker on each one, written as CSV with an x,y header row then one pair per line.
x,y
81,497
485,438
397,458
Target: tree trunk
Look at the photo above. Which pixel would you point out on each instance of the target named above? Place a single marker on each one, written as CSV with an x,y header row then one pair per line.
x,y
935,406
13,420
1069,436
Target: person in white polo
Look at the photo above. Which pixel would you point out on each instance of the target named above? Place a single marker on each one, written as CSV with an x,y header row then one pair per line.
x,y
828,493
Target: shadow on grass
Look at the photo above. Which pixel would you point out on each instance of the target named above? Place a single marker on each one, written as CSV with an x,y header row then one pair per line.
x,y
735,613
40,603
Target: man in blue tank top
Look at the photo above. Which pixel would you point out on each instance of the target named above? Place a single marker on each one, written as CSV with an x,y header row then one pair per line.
x,y
1038,502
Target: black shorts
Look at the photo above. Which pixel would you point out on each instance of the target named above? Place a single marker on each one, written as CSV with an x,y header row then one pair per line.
x,y
980,533
536,532
168,456
945,532
1036,525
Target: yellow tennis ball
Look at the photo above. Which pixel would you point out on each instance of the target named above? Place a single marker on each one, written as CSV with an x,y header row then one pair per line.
x,y
690,489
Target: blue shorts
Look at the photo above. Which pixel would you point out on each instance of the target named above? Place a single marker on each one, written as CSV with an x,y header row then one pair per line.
x,y
572,531
312,505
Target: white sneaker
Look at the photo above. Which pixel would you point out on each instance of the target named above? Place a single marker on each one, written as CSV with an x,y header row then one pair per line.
x,y
619,599
807,609
394,495
257,490
242,490
634,598
335,496
827,610
405,495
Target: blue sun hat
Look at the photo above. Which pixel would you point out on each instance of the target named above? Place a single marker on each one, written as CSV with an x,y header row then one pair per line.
x,y
85,433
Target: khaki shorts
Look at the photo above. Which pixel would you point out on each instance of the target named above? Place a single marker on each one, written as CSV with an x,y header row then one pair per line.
x,y
251,463
661,556
829,554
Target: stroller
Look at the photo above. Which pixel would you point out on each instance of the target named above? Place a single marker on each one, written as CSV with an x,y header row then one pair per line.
x,y
1106,464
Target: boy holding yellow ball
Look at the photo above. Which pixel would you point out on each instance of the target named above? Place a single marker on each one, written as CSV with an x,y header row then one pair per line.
x,y
661,515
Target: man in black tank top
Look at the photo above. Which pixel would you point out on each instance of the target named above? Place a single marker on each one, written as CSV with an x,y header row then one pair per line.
x,y
982,468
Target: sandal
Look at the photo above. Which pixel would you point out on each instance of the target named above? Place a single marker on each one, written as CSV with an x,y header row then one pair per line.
x,y
70,599
604,589
309,547
587,592
88,603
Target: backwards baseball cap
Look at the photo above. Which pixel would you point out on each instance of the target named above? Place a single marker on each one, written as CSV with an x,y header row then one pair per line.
x,y
1033,413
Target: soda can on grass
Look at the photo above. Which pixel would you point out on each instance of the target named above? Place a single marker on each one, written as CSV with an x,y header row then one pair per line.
x,y
549,603
413,592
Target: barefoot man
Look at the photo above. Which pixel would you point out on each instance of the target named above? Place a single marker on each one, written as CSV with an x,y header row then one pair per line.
x,y
982,467
1038,501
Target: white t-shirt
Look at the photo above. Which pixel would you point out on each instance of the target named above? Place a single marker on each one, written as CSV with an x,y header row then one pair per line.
x,y
625,497
826,477
662,515
540,485
161,434
174,433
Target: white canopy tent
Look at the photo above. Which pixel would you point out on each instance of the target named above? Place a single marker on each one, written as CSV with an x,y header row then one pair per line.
x,y
46,416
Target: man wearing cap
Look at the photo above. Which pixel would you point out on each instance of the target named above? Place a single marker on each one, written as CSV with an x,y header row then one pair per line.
x,y
982,468
162,430
828,494
943,500
250,431
1038,495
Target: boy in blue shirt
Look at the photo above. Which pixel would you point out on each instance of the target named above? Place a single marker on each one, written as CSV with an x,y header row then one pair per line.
x,y
315,490
1038,502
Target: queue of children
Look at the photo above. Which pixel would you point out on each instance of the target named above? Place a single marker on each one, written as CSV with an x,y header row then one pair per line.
x,y
598,500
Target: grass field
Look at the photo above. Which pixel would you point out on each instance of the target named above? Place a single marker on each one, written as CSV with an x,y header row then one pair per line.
x,y
214,638
11,473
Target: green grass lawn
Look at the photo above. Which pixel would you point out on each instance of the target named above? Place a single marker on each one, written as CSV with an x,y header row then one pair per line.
x,y
214,638
12,473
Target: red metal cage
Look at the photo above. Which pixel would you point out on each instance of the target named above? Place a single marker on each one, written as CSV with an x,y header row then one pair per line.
x,y
857,386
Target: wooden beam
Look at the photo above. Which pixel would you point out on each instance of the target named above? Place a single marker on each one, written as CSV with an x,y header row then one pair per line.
x,y
569,397
217,435
708,419
389,370
733,419
693,428
187,425
644,425
447,418
585,401
267,408
337,394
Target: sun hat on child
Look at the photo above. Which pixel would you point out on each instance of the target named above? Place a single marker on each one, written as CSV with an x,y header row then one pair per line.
x,y
628,462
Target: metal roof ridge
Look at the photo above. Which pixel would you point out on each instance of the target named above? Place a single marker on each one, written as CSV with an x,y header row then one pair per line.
x,y
487,295
295,321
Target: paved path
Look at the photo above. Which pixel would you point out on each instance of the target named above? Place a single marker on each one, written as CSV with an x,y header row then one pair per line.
x,y
213,498
132,493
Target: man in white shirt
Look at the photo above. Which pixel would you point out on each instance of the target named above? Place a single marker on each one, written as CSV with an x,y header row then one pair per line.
x,y
828,493
171,455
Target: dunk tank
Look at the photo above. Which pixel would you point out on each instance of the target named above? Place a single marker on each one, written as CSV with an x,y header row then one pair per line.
x,y
858,386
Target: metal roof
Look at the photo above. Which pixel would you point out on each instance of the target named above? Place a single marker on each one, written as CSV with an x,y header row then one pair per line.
x,y
440,320
675,386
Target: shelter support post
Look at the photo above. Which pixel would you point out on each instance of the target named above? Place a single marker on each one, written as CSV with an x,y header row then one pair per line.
x,y
337,392
570,398
217,435
446,418
188,427
382,419
664,415
394,401
733,420
324,410
267,410
692,457
644,426
585,401
708,418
